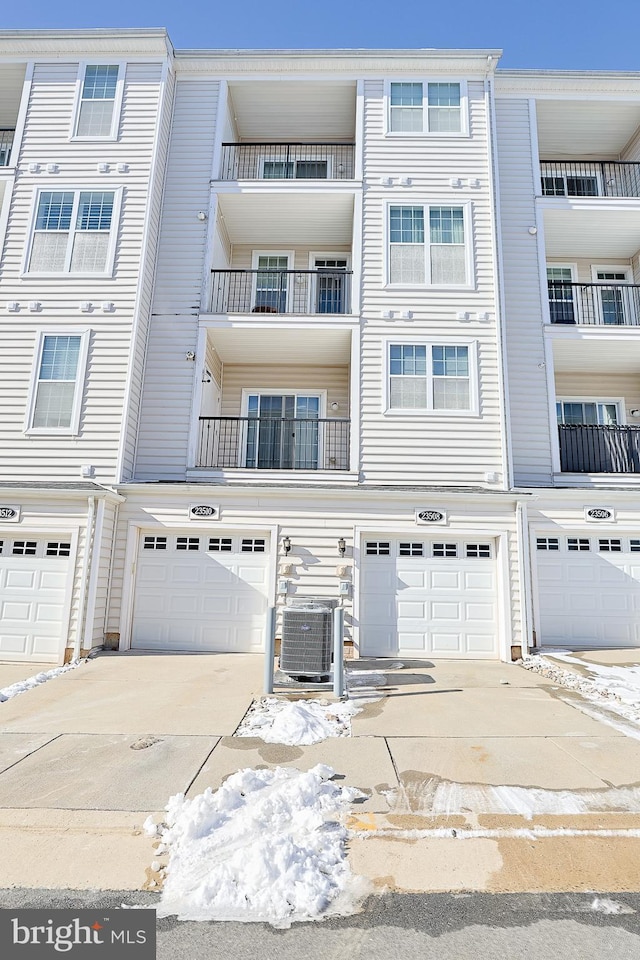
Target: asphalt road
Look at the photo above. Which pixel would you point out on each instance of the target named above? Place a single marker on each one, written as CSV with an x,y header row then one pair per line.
x,y
407,926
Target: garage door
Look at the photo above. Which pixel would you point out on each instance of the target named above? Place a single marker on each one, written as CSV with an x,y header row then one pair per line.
x,y
423,598
201,592
33,593
588,590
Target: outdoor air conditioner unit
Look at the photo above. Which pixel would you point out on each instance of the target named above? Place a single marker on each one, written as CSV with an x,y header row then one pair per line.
x,y
306,642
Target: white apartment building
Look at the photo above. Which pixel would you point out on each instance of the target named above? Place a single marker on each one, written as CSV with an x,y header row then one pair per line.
x,y
279,326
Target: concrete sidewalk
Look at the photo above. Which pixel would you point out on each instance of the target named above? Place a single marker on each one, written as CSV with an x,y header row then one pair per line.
x,y
487,751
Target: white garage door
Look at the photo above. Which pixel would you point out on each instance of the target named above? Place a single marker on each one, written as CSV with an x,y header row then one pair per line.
x,y
33,593
588,590
201,592
423,598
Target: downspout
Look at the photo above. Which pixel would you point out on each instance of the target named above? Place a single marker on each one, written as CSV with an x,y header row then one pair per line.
x,y
524,559
84,582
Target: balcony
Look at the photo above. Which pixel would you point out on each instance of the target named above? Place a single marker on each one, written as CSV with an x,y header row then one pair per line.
x,y
264,443
287,161
6,143
306,292
599,449
590,178
599,304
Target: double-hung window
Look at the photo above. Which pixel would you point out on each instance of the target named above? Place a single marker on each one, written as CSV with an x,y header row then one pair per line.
x,y
58,381
73,232
418,108
428,245
99,102
430,376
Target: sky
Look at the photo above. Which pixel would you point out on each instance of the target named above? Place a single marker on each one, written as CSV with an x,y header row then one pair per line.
x,y
545,34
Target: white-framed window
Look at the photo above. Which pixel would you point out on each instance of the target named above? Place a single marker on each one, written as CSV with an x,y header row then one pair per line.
x,y
563,305
614,305
427,376
426,108
57,383
429,244
98,101
295,168
74,232
590,411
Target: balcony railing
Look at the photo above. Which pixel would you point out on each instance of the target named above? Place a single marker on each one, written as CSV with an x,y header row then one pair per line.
x,y
281,291
607,304
590,178
6,142
260,443
287,161
599,449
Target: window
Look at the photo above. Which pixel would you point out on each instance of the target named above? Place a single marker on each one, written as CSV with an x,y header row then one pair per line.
x,y
58,384
155,543
445,550
24,548
634,546
607,545
220,544
437,257
411,550
297,169
562,308
252,545
548,543
426,108
99,96
378,548
479,550
72,232
430,377
578,544
591,412
58,549
188,543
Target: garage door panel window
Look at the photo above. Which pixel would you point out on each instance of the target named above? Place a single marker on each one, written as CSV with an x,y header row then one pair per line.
x,y
436,377
608,545
24,548
253,545
411,550
220,545
155,543
58,549
478,550
578,544
547,543
634,546
188,543
378,548
445,550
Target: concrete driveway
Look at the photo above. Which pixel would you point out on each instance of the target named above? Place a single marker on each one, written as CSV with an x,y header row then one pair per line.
x,y
447,745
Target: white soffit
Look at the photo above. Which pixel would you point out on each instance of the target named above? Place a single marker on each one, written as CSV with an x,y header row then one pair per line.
x,y
592,129
592,233
269,111
280,220
597,355
282,345
11,81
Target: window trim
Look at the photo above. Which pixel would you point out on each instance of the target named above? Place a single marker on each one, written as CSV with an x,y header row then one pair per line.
x,y
474,378
619,402
563,265
427,205
265,158
425,132
117,101
80,383
108,272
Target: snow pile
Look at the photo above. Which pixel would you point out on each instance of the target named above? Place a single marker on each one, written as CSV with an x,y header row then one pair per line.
x,y
616,688
297,723
21,686
267,846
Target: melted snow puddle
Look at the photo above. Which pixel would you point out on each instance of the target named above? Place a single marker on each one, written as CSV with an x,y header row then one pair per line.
x,y
268,845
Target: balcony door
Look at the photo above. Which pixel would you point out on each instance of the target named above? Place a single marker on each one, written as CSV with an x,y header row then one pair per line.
x,y
282,431
330,291
613,304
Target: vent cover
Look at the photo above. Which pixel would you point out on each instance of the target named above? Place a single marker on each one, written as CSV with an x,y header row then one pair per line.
x,y
305,648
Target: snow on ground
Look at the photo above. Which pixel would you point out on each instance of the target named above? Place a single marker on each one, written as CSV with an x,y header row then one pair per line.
x,y
21,686
615,688
302,722
268,845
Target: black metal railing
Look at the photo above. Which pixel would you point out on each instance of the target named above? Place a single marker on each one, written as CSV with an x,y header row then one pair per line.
x,y
595,449
261,443
287,161
590,178
281,291
607,304
6,143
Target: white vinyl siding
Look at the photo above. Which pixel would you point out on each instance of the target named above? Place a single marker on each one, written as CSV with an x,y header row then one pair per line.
x,y
418,108
74,232
99,102
58,385
428,245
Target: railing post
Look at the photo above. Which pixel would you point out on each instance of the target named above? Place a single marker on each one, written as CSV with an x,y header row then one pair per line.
x,y
338,652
